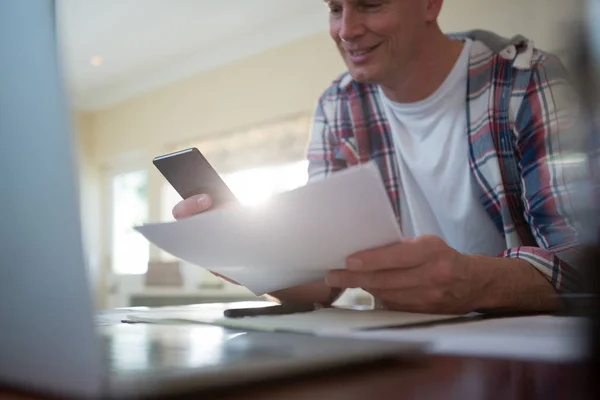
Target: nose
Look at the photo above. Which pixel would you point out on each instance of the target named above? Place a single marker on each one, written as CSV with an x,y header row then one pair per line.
x,y
351,25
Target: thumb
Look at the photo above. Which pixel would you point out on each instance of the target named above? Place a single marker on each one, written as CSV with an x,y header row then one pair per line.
x,y
191,206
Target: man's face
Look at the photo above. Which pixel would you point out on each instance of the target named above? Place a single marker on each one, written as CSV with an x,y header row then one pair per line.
x,y
378,37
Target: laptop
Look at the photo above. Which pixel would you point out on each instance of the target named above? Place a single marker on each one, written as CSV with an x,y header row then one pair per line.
x,y
48,341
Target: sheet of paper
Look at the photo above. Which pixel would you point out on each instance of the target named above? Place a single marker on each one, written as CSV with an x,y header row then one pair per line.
x,y
294,238
543,338
115,316
324,321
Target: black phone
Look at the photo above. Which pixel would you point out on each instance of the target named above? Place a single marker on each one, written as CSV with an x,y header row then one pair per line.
x,y
190,174
280,309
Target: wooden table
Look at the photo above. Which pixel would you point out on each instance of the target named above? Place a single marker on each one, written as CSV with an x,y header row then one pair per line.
x,y
429,378
435,377
426,377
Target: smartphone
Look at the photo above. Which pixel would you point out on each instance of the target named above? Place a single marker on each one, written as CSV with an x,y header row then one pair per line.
x,y
190,174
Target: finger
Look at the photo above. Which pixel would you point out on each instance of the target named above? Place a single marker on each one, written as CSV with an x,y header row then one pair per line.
x,y
408,253
192,206
382,280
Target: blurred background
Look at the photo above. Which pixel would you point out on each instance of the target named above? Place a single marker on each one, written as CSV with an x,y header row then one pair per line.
x,y
239,80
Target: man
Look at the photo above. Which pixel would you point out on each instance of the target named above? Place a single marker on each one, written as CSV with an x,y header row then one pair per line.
x,y
472,178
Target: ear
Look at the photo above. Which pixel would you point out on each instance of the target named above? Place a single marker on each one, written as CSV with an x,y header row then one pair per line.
x,y
432,10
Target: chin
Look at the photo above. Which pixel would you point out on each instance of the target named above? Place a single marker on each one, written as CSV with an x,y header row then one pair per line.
x,y
363,75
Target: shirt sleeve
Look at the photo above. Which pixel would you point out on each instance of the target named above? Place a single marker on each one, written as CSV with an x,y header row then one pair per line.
x,y
553,175
322,152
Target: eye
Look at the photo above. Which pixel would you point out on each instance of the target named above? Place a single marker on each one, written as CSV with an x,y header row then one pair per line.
x,y
335,9
370,6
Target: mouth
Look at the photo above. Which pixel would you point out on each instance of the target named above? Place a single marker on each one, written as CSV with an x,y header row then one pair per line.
x,y
362,51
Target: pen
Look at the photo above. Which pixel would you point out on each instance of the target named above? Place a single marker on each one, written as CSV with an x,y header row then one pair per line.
x,y
271,310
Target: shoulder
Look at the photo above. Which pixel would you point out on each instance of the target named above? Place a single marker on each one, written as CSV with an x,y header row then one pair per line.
x,y
518,51
514,65
532,60
548,66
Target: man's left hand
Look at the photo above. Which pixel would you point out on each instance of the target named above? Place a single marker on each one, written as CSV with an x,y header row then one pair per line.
x,y
419,275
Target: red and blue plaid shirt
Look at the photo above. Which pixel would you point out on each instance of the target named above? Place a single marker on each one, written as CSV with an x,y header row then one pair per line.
x,y
514,114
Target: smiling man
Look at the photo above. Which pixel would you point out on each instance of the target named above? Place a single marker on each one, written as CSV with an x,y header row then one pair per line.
x,y
461,128
464,129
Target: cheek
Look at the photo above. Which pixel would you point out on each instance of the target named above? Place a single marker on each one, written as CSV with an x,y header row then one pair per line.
x,y
334,30
394,50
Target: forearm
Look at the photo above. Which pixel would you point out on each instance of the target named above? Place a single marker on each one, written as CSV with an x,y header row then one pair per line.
x,y
503,284
312,293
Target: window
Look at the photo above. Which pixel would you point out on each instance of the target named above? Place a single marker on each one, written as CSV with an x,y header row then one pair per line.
x,y
256,185
130,250
250,186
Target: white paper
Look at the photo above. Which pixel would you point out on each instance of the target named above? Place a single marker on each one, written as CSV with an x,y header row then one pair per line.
x,y
294,238
543,338
324,321
117,315
536,338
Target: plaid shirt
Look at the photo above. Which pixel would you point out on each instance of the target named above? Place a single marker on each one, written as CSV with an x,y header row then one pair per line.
x,y
514,114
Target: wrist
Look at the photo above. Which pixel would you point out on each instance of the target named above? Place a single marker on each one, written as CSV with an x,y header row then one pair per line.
x,y
482,294
507,284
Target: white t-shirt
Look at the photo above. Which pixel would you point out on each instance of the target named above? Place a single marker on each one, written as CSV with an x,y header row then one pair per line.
x,y
438,194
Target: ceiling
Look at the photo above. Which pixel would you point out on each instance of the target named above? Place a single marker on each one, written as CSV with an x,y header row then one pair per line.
x,y
146,44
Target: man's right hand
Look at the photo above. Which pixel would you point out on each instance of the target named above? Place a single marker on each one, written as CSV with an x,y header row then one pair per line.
x,y
311,293
192,206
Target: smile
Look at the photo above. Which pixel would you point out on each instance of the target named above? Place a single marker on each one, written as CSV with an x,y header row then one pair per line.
x,y
361,52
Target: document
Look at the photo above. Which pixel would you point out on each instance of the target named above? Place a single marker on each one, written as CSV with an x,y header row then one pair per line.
x,y
325,321
294,238
544,337
535,338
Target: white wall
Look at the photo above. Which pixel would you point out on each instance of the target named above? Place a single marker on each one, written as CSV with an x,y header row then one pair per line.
x,y
547,22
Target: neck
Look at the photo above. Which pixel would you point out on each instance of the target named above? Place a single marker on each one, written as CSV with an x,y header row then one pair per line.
x,y
427,70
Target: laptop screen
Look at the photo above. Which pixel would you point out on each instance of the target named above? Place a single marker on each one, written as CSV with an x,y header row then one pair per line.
x,y
45,304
